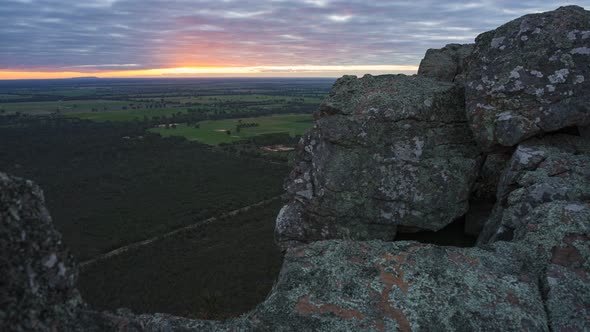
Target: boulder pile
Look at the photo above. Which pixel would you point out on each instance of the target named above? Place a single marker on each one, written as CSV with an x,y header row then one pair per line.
x,y
500,123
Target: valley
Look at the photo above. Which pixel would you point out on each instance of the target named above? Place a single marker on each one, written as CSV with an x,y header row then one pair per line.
x,y
168,201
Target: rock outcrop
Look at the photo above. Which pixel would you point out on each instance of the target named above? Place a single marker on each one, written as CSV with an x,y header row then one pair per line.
x,y
447,64
530,76
38,284
386,151
555,168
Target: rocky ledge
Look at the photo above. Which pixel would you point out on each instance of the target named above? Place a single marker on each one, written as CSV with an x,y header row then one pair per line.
x,y
502,123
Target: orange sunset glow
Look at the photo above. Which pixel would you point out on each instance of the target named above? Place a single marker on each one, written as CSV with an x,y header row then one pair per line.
x,y
269,71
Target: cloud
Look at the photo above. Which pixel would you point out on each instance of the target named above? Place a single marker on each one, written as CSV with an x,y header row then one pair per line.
x,y
110,34
339,18
121,65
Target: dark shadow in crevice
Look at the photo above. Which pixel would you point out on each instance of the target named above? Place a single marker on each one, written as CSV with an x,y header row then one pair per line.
x,y
451,235
573,130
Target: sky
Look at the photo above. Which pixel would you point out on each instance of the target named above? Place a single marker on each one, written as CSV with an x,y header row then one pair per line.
x,y
305,38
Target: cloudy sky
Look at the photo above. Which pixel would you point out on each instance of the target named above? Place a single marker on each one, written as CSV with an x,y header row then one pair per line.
x,y
60,38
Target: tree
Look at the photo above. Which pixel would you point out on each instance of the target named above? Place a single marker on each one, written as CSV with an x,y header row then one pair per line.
x,y
228,132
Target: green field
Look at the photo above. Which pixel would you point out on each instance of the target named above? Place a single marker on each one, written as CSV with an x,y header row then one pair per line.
x,y
126,115
78,106
233,99
8,97
215,132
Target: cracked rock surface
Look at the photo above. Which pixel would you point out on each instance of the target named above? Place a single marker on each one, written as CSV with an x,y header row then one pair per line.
x,y
386,151
555,168
530,76
447,64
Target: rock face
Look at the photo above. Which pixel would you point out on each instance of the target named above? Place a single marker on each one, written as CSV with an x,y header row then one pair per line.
x,y
553,241
530,76
555,168
386,151
544,208
447,64
37,290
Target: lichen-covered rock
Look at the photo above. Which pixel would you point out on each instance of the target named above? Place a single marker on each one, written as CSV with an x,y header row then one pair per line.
x,y
530,76
400,286
446,64
37,273
554,242
567,285
544,209
385,151
555,168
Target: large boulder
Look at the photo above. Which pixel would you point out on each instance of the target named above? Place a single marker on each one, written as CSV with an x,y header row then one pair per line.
x,y
400,286
555,168
386,151
530,76
446,64
38,274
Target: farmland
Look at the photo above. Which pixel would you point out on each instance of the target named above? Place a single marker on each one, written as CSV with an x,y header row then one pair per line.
x,y
133,100
225,131
72,106
124,161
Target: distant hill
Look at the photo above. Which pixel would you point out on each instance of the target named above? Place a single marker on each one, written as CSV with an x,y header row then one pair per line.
x,y
85,78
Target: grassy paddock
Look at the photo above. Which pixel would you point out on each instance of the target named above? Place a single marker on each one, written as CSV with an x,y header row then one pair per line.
x,y
126,115
215,132
233,99
70,106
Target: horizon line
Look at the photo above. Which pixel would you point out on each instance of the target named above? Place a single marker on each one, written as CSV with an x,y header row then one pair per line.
x,y
301,71
169,77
